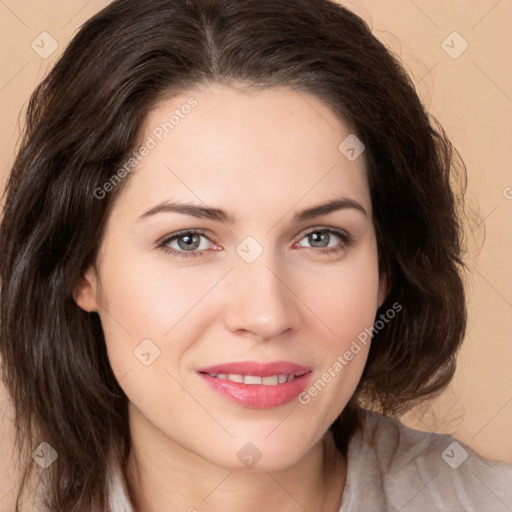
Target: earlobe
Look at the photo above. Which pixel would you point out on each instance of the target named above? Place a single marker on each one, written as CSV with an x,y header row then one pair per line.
x,y
85,293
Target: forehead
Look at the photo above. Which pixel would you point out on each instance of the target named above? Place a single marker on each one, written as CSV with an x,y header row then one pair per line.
x,y
248,148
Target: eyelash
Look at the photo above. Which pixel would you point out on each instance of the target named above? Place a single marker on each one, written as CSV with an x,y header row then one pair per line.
x,y
347,241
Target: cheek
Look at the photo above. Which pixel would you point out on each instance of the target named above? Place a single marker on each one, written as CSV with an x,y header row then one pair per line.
x,y
146,298
147,295
346,302
343,297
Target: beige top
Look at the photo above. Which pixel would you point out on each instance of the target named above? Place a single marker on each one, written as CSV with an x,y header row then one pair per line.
x,y
394,468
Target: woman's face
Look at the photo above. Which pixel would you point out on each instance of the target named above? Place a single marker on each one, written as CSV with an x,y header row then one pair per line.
x,y
253,287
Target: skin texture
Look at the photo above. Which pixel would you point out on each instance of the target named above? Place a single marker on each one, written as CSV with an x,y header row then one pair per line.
x,y
262,156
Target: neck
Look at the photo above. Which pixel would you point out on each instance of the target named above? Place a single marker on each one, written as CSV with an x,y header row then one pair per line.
x,y
163,476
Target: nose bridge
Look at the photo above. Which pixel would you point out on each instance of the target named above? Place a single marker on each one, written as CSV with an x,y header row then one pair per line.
x,y
261,302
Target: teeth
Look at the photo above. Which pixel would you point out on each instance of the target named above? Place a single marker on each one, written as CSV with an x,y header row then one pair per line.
x,y
272,380
252,379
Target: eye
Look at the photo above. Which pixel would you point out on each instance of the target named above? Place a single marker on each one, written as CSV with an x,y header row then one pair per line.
x,y
185,244
193,243
327,240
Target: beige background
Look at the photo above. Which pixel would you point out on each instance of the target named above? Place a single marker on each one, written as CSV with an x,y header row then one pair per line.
x,y
472,97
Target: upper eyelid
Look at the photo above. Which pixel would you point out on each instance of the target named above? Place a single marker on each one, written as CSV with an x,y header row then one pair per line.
x,y
337,231
172,236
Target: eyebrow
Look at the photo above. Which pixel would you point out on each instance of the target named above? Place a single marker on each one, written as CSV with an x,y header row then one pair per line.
x,y
219,215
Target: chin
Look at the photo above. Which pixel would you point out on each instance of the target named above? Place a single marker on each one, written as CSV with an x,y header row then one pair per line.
x,y
262,454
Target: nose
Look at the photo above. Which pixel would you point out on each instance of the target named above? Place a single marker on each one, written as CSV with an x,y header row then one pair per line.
x,y
262,303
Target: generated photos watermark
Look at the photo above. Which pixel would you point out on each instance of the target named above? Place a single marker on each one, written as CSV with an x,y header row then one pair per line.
x,y
343,360
157,135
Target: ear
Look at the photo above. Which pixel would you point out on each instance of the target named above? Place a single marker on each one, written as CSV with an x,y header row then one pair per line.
x,y
86,291
384,287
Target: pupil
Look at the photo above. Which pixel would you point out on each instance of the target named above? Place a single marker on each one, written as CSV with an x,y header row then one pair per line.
x,y
191,242
318,238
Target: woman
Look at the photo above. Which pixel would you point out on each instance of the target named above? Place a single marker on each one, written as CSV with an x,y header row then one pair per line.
x,y
229,231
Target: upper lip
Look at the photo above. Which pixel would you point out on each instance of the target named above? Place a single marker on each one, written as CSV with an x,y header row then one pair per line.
x,y
256,368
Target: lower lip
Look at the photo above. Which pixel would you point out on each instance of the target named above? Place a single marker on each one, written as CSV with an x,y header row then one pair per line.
x,y
258,396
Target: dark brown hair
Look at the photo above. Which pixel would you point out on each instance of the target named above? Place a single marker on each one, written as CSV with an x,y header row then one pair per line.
x,y
85,118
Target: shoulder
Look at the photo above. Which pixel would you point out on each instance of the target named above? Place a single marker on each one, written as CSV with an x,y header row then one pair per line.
x,y
393,467
118,495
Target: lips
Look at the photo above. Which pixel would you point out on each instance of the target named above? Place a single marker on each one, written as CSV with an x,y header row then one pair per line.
x,y
259,385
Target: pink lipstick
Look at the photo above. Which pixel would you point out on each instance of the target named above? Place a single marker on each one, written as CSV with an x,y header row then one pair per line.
x,y
257,385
